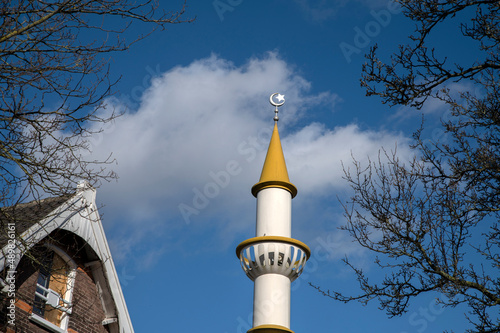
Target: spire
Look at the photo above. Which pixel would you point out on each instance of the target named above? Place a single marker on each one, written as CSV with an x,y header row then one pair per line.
x,y
272,259
274,172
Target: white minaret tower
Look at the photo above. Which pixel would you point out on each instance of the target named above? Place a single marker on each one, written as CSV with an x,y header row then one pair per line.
x,y
273,259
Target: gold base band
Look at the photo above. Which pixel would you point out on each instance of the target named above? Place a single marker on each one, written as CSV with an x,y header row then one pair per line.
x,y
269,329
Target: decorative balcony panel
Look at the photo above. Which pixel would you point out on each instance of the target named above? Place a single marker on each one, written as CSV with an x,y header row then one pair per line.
x,y
273,255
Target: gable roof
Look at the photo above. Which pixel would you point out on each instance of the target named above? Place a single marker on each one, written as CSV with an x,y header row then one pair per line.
x,y
26,214
76,213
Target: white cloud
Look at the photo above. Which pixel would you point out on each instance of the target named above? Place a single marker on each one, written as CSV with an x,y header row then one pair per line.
x,y
204,128
193,120
315,153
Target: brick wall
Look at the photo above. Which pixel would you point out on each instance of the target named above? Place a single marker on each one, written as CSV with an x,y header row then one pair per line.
x,y
85,298
87,312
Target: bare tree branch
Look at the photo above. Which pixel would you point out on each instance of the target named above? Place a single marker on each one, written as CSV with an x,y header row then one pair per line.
x,y
433,222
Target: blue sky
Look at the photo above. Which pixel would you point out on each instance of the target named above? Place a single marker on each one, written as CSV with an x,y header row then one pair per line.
x,y
195,104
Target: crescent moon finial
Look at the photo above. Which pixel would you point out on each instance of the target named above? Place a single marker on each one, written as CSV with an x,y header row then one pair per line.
x,y
277,100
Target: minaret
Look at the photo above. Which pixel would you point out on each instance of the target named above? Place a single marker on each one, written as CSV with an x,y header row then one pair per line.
x,y
272,259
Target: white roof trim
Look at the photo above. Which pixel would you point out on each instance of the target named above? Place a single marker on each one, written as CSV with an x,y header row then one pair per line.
x,y
79,215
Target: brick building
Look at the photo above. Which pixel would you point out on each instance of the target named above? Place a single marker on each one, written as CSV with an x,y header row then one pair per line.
x,y
60,277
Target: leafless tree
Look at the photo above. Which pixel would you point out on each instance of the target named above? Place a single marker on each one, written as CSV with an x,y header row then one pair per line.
x,y
433,223
54,78
54,81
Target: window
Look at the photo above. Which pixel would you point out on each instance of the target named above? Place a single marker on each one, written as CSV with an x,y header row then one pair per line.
x,y
54,288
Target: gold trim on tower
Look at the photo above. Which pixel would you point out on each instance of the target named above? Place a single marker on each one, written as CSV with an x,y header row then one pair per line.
x,y
278,239
269,329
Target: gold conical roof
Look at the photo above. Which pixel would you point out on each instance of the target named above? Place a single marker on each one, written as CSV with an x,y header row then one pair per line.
x,y
274,172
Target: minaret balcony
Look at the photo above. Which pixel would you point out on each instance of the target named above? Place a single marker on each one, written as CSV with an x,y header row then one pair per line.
x,y
273,255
